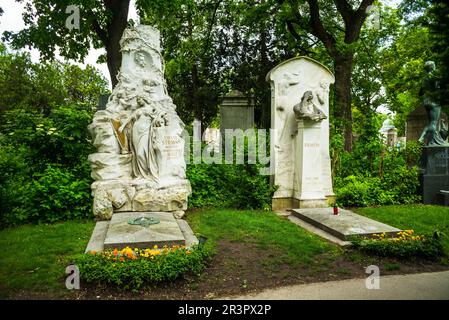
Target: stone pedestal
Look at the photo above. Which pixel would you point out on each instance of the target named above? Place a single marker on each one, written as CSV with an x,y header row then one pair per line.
x,y
434,175
308,189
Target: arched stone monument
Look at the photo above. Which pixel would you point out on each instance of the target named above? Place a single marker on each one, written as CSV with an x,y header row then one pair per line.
x,y
300,144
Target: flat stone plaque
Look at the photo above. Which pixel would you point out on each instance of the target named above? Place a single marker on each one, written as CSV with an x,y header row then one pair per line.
x,y
343,225
121,234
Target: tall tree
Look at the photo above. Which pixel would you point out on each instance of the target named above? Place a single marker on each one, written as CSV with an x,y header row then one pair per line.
x,y
101,26
339,34
192,66
439,35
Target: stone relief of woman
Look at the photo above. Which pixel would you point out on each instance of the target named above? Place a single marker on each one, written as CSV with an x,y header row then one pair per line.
x,y
144,128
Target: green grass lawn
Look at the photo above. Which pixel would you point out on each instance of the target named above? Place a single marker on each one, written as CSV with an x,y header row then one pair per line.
x,y
34,257
268,231
420,218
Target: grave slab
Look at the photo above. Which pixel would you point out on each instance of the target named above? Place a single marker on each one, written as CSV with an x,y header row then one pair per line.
x,y
96,241
190,237
121,234
345,224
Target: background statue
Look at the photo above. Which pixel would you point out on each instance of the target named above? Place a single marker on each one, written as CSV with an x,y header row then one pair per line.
x,y
435,133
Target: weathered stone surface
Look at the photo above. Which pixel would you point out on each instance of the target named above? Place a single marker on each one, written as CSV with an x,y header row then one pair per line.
x,y
121,234
296,142
236,112
139,164
102,207
107,166
179,214
96,242
189,236
343,225
137,195
167,199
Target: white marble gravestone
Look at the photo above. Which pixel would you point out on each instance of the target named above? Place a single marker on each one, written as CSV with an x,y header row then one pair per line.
x,y
300,144
139,164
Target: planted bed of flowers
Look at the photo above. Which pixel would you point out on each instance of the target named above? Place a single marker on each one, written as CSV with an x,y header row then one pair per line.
x,y
404,244
131,268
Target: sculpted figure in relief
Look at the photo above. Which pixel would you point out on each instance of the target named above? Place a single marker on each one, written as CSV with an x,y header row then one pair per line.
x,y
306,109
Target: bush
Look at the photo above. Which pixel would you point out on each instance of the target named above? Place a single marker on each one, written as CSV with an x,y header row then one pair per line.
x,y
354,191
14,183
229,186
381,176
57,194
130,269
405,245
59,138
240,186
44,172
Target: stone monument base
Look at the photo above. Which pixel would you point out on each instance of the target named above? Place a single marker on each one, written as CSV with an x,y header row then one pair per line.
x,y
281,204
138,195
434,177
118,233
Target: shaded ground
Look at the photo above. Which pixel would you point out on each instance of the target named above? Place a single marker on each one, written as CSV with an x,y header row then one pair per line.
x,y
255,251
246,268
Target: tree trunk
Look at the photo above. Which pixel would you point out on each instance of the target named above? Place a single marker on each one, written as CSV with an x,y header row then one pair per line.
x,y
265,94
342,94
119,21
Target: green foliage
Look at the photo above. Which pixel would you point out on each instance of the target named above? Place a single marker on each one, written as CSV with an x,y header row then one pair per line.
x,y
44,141
425,246
423,219
223,185
41,87
57,194
132,274
373,174
229,186
50,176
61,137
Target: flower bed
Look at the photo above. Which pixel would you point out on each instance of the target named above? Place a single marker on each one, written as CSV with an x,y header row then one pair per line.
x,y
405,244
131,268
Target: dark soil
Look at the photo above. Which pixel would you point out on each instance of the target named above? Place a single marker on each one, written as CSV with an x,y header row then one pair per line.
x,y
245,268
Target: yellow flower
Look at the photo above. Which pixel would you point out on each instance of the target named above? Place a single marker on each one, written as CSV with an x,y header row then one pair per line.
x,y
155,246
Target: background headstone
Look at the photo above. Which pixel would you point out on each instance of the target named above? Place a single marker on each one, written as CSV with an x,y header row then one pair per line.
x,y
416,122
236,112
